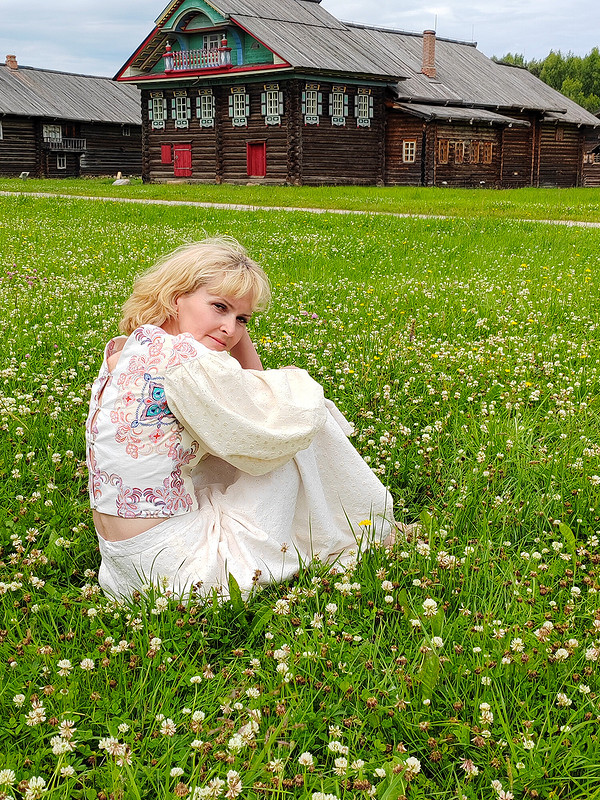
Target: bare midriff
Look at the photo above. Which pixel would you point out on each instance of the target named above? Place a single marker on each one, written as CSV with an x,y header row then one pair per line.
x,y
117,529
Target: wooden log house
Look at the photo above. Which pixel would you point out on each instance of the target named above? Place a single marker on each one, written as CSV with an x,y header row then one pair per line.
x,y
280,91
60,125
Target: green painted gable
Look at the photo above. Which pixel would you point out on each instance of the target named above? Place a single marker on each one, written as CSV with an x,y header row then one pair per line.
x,y
202,8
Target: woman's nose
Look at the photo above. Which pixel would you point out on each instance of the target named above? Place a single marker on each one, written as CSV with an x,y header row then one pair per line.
x,y
228,324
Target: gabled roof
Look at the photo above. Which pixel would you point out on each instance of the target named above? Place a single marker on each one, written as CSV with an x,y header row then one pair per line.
x,y
32,92
300,32
306,38
465,76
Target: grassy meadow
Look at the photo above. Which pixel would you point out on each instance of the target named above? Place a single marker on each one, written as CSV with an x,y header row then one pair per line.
x,y
578,204
463,663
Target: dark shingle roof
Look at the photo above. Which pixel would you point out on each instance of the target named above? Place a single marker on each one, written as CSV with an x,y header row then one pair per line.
x,y
27,91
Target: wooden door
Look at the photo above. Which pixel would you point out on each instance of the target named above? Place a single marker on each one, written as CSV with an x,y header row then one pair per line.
x,y
256,158
182,160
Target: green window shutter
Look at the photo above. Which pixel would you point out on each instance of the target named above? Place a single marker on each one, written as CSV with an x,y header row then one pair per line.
x,y
150,115
198,107
370,105
231,105
173,108
247,105
345,105
212,106
188,107
164,101
331,104
263,104
319,103
280,99
356,105
304,102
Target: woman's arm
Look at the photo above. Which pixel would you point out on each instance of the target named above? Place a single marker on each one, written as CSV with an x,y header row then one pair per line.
x,y
245,352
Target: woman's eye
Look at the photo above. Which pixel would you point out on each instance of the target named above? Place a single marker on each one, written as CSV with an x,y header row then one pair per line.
x,y
220,307
243,320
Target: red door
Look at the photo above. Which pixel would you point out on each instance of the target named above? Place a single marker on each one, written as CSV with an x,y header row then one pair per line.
x,y
256,159
182,160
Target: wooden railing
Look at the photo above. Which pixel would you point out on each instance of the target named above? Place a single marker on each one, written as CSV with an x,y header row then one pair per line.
x,y
209,58
65,144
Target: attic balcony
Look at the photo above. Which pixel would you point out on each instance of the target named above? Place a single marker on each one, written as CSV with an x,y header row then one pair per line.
x,y
207,58
70,145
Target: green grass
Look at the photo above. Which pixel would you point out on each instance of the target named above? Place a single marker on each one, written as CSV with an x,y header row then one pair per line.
x,y
567,204
466,353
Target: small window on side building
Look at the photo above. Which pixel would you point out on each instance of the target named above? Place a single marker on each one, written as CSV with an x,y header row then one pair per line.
x,y
443,151
459,152
61,161
409,151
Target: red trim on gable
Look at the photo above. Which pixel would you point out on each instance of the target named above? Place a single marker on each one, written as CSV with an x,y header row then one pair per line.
x,y
200,72
134,56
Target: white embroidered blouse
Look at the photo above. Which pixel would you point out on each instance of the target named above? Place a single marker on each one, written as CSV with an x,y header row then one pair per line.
x,y
169,402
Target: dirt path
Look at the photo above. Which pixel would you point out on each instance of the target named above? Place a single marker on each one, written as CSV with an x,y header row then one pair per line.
x,y
569,223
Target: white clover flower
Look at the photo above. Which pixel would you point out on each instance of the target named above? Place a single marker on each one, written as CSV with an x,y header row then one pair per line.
x,y
7,777
561,654
196,679
87,665
19,699
412,767
198,716
437,641
563,700
168,727
176,772
430,607
196,744
306,759
64,666
517,646
340,765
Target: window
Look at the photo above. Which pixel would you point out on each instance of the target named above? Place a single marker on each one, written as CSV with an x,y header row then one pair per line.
x,y
53,133
157,110
271,104
459,152
363,108
443,151
475,152
61,161
409,151
212,40
559,134
126,130
338,105
310,103
487,152
239,106
205,108
1,132
181,109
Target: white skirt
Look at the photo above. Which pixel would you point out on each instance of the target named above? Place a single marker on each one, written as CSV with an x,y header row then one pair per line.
x,y
258,528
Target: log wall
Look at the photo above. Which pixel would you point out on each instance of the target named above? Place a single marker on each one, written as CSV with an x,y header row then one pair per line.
x,y
109,151
518,155
472,170
561,155
337,155
18,147
401,128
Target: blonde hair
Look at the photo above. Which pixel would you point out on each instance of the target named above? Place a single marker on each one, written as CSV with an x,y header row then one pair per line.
x,y
219,263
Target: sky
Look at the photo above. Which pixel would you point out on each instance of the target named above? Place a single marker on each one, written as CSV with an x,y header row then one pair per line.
x,y
96,38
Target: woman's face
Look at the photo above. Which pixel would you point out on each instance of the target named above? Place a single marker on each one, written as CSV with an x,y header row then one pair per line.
x,y
216,321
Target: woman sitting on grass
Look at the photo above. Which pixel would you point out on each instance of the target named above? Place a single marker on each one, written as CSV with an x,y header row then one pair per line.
x,y
202,464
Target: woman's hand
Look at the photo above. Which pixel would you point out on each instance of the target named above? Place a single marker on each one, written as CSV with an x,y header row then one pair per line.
x,y
245,352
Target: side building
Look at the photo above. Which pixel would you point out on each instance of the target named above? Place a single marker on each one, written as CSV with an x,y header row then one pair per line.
x,y
59,125
280,91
